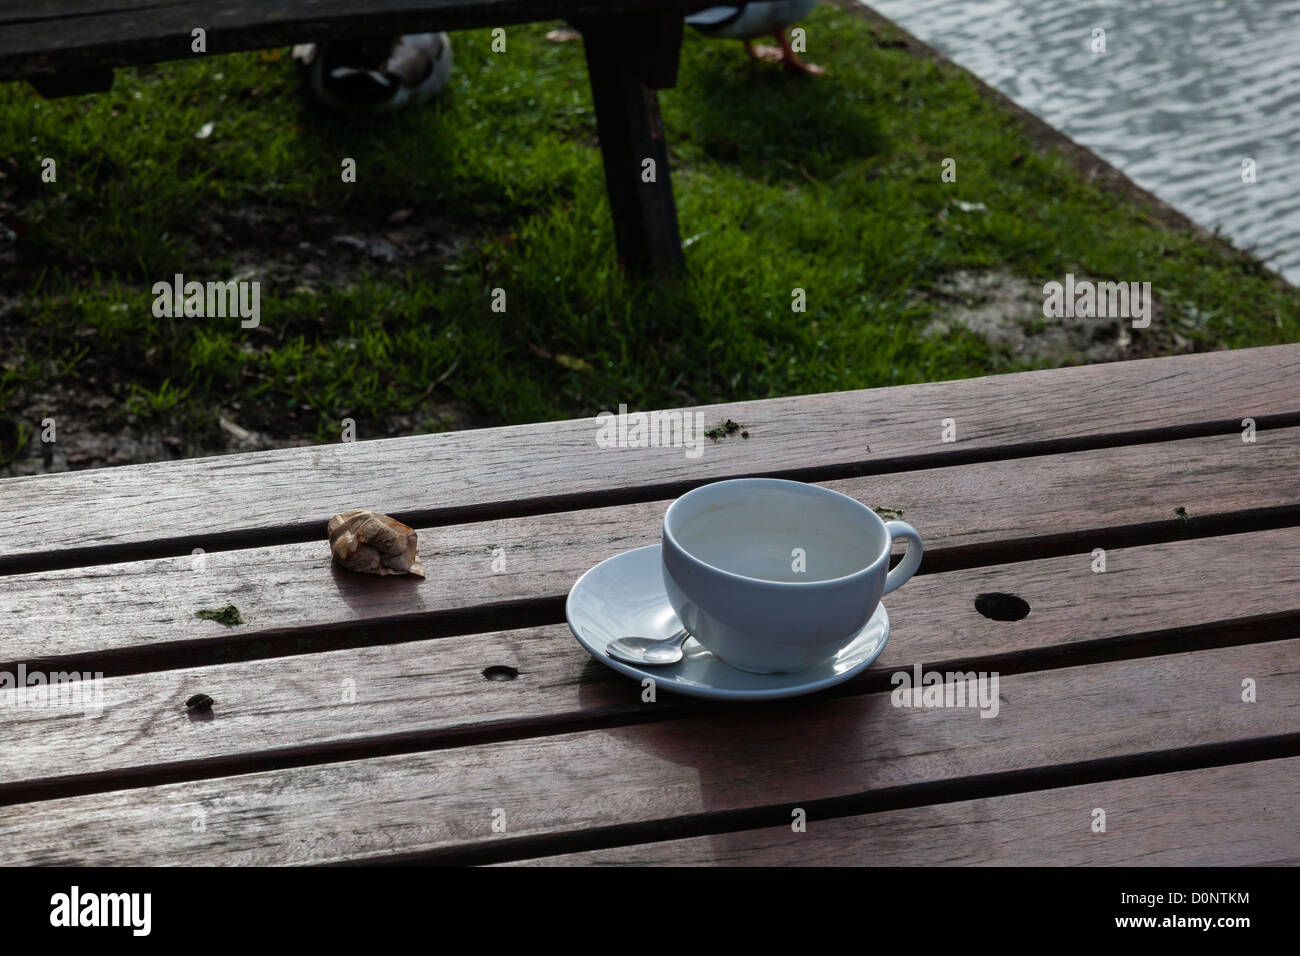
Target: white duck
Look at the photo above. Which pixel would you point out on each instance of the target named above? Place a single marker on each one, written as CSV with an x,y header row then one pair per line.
x,y
745,21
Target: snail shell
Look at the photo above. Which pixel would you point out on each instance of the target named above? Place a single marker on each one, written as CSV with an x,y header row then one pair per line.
x,y
373,543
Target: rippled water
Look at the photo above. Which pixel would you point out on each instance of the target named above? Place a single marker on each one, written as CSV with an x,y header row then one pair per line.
x,y
1185,91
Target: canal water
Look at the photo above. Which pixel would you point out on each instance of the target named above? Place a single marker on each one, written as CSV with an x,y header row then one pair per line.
x,y
1185,91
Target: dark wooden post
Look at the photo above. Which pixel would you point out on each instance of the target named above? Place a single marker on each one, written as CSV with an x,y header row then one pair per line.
x,y
630,58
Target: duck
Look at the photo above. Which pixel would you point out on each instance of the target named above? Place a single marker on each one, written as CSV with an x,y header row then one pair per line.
x,y
745,21
377,74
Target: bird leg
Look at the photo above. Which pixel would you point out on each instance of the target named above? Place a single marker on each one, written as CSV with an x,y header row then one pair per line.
x,y
770,54
790,61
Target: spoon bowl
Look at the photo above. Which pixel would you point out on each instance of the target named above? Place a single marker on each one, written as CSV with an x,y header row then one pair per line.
x,y
649,651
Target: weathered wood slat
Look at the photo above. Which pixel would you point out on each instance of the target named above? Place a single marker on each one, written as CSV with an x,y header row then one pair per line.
x,y
759,760
433,693
47,36
286,495
990,512
1242,815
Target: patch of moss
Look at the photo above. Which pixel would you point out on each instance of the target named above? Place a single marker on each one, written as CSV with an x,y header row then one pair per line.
x,y
228,615
726,428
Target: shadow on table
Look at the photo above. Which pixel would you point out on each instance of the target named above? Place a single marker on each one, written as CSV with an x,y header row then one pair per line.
x,y
755,763
374,596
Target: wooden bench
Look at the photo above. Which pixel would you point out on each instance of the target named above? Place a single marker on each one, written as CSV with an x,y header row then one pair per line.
x,y
632,49
355,717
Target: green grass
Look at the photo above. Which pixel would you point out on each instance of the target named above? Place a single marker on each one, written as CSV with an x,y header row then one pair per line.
x,y
830,185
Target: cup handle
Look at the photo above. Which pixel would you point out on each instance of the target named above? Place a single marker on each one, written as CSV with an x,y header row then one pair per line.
x,y
911,560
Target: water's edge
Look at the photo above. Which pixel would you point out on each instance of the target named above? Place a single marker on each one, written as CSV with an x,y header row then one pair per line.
x,y
1176,119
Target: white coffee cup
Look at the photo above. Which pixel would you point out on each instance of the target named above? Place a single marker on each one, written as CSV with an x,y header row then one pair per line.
x,y
777,576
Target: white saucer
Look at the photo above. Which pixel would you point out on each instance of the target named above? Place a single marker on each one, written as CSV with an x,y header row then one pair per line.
x,y
624,597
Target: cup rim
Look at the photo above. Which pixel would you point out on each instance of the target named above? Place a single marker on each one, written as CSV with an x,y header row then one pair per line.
x,y
782,482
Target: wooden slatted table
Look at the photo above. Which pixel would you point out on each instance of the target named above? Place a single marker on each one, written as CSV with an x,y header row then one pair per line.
x,y
353,720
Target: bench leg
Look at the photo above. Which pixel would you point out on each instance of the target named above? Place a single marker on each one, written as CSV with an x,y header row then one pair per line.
x,y
630,58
